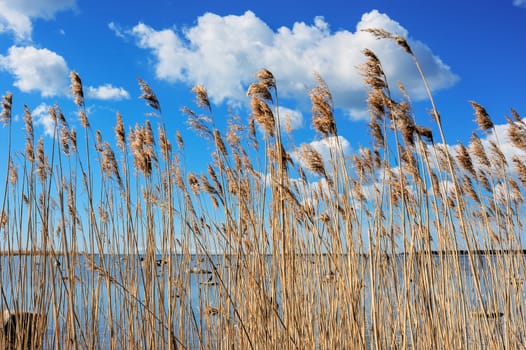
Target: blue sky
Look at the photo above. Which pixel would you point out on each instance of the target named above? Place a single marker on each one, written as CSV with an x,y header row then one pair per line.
x,y
470,50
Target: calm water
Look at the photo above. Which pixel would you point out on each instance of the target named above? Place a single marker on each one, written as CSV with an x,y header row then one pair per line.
x,y
21,287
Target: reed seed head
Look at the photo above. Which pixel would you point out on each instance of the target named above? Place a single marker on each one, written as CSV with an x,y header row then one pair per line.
x,y
477,149
482,117
372,71
76,88
120,134
467,184
179,138
263,115
516,115
376,132
259,89
198,123
148,95
383,34
202,97
13,173
43,168
28,122
498,158
5,115
220,145
109,164
65,140
517,134
425,133
312,159
322,108
464,159
267,78
521,170
166,146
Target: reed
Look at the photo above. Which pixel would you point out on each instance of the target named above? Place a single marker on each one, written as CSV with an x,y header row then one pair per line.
x,y
407,244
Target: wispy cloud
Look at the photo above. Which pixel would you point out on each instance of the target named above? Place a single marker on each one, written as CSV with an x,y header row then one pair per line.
x,y
117,30
224,52
519,3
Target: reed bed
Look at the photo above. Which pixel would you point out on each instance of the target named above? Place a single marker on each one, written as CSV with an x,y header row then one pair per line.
x,y
407,244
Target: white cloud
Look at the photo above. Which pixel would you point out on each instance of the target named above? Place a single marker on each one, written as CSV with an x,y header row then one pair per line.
x,y
519,3
446,188
16,16
500,137
107,92
41,117
332,144
223,53
325,147
14,21
290,119
36,70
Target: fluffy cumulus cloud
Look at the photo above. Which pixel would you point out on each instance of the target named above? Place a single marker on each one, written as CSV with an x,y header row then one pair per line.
x,y
35,69
519,3
16,16
107,92
224,52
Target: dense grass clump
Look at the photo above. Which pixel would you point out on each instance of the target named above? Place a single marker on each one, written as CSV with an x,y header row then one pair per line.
x,y
408,244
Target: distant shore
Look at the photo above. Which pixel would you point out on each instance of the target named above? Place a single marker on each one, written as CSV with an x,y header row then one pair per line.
x,y
32,252
432,252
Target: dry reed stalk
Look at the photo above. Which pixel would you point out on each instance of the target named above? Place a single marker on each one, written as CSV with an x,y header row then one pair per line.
x,y
279,238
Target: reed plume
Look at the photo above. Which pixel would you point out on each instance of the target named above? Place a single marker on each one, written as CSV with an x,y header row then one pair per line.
x,y
76,88
517,133
322,108
5,115
389,246
312,159
202,97
482,117
120,134
148,95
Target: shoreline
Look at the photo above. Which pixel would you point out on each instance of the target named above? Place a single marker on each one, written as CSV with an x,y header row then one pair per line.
x,y
432,252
